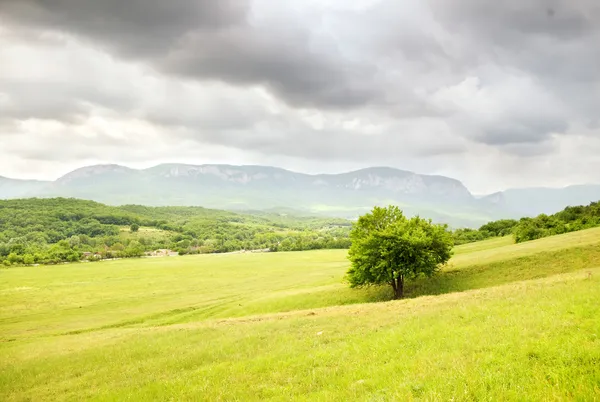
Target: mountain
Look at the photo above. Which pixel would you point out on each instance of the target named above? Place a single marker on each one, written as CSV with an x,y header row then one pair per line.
x,y
261,188
12,188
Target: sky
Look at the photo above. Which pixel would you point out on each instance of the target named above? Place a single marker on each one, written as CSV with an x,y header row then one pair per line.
x,y
495,94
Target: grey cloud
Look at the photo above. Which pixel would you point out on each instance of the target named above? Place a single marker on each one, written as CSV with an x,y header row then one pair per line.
x,y
138,27
215,110
512,133
292,137
279,60
56,101
507,110
209,40
551,42
555,41
529,150
504,21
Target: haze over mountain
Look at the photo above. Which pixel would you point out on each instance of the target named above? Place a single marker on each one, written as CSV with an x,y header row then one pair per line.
x,y
537,200
264,188
12,188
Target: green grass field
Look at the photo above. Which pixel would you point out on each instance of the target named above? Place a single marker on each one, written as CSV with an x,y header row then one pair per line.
x,y
147,232
501,322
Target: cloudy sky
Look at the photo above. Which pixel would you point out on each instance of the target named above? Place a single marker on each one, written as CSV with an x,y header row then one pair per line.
x,y
496,94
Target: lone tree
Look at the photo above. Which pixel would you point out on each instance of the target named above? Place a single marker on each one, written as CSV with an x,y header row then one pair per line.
x,y
388,248
134,227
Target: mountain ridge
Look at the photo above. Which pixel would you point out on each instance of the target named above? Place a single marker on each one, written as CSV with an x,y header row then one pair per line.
x,y
257,187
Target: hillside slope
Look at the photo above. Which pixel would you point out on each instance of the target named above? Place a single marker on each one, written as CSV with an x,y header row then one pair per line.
x,y
520,327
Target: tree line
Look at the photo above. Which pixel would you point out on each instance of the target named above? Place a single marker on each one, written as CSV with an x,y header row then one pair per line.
x,y
570,219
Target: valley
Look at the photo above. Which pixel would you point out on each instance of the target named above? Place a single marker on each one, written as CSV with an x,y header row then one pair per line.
x,y
329,200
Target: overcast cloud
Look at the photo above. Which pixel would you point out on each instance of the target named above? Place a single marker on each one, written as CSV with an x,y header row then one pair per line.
x,y
495,94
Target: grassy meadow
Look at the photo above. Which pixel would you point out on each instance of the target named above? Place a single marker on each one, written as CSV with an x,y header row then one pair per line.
x,y
502,321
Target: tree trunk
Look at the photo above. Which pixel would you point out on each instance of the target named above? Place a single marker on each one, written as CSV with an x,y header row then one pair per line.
x,y
398,286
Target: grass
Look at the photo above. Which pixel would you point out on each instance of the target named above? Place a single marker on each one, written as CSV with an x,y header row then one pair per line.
x,y
457,278
284,326
81,297
465,254
484,245
147,232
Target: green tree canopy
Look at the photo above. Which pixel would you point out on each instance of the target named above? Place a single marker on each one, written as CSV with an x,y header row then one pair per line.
x,y
388,248
35,227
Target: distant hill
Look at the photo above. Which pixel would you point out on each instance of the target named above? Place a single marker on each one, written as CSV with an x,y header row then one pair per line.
x,y
12,188
535,201
264,188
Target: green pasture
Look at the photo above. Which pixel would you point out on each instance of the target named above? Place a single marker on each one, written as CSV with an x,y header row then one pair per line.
x,y
501,322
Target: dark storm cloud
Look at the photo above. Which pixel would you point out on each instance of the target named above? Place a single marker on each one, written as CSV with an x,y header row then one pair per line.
x,y
135,27
279,60
207,40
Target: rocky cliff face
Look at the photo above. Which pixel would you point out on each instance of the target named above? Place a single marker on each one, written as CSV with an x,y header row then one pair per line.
x,y
385,179
234,174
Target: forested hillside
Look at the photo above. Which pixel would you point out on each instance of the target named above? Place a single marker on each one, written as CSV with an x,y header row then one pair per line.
x,y
503,227
570,219
54,230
